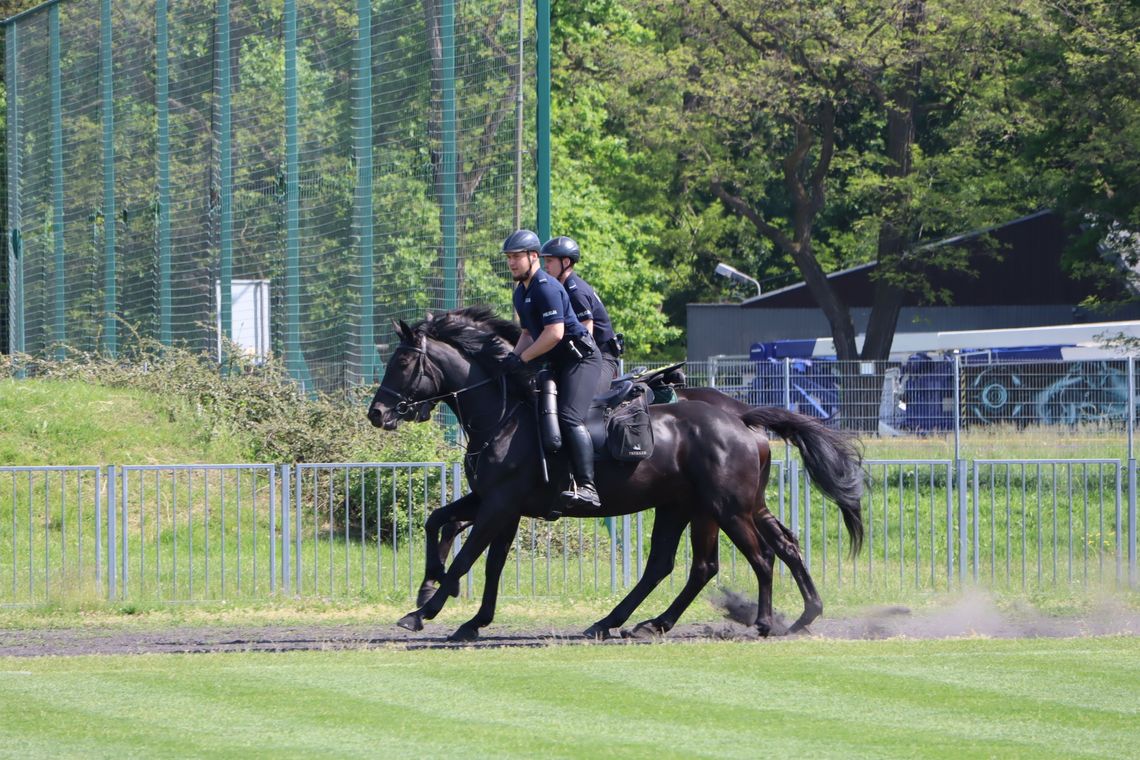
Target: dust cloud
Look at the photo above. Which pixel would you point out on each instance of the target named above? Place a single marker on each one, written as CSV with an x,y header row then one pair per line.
x,y
972,613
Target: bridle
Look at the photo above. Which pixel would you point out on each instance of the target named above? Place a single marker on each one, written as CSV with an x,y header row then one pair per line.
x,y
406,405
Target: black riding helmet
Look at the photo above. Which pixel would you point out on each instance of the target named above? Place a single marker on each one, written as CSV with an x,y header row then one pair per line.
x,y
521,240
561,247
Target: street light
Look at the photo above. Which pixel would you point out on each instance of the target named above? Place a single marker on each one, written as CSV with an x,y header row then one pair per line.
x,y
724,270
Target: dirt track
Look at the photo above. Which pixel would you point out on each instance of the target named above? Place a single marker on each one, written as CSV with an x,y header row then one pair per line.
x,y
972,616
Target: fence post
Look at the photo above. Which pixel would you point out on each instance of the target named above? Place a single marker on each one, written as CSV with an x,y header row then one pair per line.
x,y
286,526
794,501
957,406
963,522
297,529
124,536
112,535
1132,523
626,549
1131,404
272,529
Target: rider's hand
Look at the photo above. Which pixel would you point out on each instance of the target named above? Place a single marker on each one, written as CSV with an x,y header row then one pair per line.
x,y
512,363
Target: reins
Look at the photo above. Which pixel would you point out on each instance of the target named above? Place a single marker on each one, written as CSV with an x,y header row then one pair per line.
x,y
405,405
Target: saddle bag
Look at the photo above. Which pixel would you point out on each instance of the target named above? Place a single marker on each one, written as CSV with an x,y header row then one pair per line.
x,y
629,434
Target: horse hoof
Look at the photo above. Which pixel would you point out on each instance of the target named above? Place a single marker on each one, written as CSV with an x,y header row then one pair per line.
x,y
413,621
597,633
463,633
799,629
646,631
427,591
764,630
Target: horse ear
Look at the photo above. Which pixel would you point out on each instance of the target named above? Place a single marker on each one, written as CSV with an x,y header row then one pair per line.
x,y
403,330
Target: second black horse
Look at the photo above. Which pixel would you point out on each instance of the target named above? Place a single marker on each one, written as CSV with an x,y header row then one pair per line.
x,y
707,470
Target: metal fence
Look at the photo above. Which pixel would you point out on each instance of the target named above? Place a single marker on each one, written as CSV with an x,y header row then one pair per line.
x,y
213,532
981,393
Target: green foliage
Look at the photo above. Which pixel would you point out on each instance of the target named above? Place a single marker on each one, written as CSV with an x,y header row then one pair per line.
x,y
257,404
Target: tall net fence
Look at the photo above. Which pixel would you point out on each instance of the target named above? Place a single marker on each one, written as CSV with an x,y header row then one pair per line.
x,y
290,175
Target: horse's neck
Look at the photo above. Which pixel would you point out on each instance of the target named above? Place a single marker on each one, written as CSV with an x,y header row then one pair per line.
x,y
482,410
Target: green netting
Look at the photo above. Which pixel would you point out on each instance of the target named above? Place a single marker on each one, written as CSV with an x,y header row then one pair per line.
x,y
293,174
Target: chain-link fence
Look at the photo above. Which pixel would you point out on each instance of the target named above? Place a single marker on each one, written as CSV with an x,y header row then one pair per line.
x,y
291,175
980,400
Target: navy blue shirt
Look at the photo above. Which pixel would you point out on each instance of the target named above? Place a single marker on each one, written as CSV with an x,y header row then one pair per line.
x,y
544,302
586,305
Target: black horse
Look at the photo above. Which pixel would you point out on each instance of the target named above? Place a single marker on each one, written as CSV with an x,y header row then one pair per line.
x,y
707,470
445,524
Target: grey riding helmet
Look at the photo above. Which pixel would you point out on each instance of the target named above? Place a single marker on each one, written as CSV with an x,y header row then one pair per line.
x,y
561,247
521,240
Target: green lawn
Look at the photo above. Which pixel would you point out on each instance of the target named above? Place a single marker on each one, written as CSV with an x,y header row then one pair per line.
x,y
805,698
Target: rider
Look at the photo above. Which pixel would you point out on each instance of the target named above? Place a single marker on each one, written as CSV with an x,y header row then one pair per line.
x,y
559,255
552,334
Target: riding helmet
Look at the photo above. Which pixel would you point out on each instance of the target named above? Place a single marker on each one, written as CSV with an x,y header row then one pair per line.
x,y
521,240
561,247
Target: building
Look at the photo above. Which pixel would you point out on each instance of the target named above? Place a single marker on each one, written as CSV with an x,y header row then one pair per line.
x,y
1024,286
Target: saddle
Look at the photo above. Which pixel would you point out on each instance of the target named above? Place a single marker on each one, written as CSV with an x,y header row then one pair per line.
x,y
619,425
618,420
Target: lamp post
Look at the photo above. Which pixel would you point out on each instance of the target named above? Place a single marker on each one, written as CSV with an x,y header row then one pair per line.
x,y
724,270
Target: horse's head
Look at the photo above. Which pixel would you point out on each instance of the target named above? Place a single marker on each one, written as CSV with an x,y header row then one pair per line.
x,y
409,378
447,354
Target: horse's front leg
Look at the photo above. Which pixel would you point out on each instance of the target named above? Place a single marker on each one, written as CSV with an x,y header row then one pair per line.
x,y
446,523
496,559
488,524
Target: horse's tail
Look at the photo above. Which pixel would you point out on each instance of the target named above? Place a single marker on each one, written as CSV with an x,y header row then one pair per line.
x,y
832,458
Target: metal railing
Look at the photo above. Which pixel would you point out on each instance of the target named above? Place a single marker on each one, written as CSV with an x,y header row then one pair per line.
x,y
980,393
209,532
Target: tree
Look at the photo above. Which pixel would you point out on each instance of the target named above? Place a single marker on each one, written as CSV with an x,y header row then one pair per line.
x,y
1080,78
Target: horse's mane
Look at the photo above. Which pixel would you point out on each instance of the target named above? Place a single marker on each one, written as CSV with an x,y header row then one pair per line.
x,y
474,330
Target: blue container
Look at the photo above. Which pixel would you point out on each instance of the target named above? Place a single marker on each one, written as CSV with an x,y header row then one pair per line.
x,y
929,393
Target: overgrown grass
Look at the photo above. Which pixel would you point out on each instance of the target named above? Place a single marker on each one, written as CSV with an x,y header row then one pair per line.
x,y
250,412
930,699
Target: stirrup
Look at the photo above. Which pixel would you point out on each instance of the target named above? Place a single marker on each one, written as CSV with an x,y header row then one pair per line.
x,y
574,498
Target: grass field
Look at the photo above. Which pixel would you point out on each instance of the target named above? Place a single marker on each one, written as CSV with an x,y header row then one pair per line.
x,y
808,698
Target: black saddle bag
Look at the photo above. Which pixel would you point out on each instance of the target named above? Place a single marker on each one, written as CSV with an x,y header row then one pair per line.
x,y
629,434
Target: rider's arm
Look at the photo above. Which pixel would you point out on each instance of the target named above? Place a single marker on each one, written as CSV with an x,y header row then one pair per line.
x,y
550,337
524,343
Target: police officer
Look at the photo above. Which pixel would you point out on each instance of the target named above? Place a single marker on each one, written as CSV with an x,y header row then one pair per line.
x,y
552,334
559,255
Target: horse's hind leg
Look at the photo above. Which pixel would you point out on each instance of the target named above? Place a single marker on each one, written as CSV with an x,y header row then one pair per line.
x,y
496,558
787,549
668,525
703,534
741,529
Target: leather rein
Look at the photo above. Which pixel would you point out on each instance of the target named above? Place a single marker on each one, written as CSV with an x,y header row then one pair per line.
x,y
405,404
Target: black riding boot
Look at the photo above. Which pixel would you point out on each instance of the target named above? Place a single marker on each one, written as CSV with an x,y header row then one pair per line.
x,y
581,452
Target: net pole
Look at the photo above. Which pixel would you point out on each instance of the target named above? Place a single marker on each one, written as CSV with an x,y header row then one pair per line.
x,y
162,114
542,114
519,123
292,200
110,288
60,296
447,41
225,170
15,272
362,209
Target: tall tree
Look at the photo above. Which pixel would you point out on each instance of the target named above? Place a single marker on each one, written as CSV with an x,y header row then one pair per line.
x,y
786,111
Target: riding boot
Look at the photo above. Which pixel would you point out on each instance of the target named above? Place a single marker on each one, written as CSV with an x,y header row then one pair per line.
x,y
580,449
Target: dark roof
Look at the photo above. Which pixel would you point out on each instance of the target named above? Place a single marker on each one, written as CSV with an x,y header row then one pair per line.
x,y
1027,272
